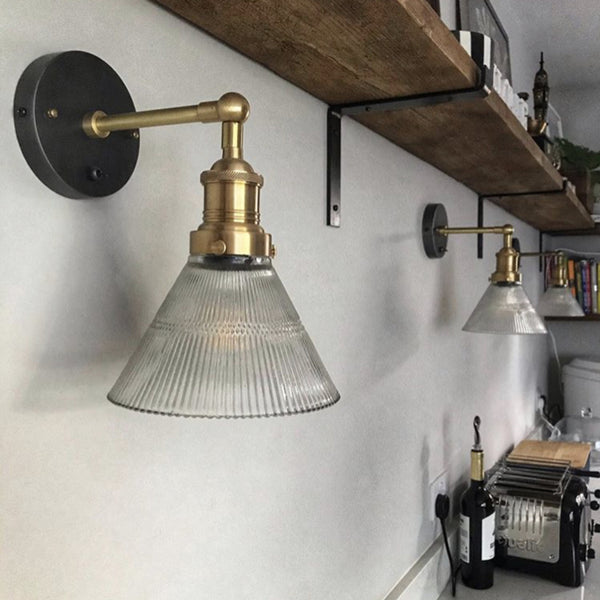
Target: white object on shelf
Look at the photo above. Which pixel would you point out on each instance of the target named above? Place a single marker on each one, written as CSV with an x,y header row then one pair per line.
x,y
497,80
581,380
478,45
507,93
522,111
517,105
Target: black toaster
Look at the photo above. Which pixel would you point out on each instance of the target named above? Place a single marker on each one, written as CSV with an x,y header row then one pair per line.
x,y
544,520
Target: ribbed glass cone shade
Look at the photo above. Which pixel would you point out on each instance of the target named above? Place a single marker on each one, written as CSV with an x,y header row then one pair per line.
x,y
226,342
558,301
505,308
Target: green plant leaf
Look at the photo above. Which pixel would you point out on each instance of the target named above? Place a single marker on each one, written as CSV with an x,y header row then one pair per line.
x,y
578,156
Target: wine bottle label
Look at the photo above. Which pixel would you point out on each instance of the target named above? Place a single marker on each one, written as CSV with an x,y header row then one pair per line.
x,y
488,526
488,537
464,538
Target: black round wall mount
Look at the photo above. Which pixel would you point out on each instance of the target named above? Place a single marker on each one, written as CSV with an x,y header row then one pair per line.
x,y
53,95
434,217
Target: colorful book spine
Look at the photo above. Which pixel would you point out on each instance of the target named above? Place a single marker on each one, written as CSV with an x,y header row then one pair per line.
x,y
586,286
571,276
594,286
548,268
598,279
578,283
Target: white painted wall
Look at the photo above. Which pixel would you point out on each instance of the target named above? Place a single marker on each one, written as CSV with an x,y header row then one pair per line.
x,y
97,502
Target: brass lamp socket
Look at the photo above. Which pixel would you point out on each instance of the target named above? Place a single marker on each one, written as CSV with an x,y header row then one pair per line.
x,y
231,212
507,266
559,274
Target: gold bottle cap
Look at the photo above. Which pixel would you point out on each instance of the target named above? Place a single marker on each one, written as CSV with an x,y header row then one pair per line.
x,y
477,472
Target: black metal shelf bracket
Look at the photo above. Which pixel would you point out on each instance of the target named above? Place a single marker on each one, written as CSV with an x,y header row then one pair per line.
x,y
334,130
482,197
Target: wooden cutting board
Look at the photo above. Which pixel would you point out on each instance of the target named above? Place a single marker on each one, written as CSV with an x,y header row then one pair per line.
x,y
576,453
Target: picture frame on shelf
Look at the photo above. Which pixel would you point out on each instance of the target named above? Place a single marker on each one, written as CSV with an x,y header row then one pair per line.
x,y
479,15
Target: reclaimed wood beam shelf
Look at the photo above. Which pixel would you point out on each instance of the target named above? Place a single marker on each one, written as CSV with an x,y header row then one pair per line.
x,y
343,51
583,319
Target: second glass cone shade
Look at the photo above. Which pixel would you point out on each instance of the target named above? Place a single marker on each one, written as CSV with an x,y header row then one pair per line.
x,y
226,342
558,301
506,309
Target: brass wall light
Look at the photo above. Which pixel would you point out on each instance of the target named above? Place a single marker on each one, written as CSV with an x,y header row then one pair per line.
x,y
557,300
504,307
227,341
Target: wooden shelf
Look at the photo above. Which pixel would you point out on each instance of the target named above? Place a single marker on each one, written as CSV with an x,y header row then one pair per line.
x,y
594,231
544,211
587,318
344,51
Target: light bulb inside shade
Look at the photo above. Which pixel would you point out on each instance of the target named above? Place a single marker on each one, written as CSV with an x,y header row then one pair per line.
x,y
505,308
226,342
558,301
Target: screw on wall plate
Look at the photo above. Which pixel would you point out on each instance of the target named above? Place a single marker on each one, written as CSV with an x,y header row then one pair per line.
x,y
22,111
96,174
135,134
52,113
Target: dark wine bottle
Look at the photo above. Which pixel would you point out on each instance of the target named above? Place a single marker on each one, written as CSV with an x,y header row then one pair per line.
x,y
477,525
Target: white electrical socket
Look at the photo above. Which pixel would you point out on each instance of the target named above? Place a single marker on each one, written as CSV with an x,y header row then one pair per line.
x,y
438,486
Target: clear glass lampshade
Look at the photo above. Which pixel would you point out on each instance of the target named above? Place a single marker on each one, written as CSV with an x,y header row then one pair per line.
x,y
558,301
226,342
505,308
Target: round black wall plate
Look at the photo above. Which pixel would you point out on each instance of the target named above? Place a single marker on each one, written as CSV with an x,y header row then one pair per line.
x,y
52,96
434,243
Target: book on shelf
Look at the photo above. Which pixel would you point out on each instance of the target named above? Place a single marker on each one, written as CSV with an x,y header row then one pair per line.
x,y
571,275
586,286
594,286
597,287
579,283
584,278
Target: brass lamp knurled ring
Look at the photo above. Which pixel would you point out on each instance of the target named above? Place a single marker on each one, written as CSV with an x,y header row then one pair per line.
x,y
231,176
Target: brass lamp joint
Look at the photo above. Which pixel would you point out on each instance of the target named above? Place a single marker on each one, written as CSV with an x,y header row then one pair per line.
x,y
231,187
507,258
231,107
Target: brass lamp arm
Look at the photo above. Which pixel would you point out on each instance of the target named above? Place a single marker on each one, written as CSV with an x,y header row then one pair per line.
x,y
506,230
231,107
435,232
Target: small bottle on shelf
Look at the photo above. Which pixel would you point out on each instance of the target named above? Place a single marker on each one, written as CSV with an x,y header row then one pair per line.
x,y
477,525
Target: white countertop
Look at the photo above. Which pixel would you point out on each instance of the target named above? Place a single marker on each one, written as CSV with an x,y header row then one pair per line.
x,y
510,585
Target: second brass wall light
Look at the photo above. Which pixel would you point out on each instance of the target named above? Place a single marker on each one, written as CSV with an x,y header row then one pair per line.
x,y
227,341
557,300
504,307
